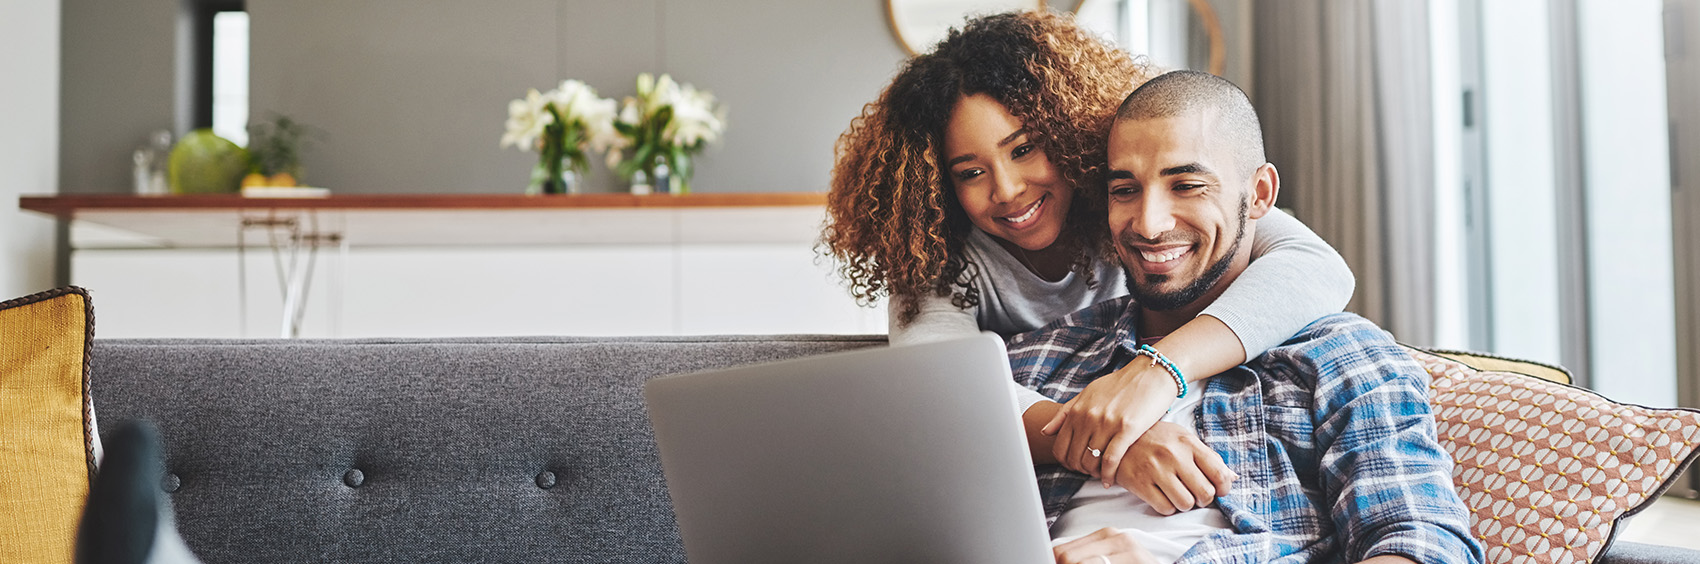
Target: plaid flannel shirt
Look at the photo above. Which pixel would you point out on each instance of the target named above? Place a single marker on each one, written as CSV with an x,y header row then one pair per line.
x,y
1330,433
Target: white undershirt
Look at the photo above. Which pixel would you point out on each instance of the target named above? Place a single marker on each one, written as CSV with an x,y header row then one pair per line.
x,y
1165,537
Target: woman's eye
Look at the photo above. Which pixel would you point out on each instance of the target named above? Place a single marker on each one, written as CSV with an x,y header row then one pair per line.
x,y
967,174
1021,150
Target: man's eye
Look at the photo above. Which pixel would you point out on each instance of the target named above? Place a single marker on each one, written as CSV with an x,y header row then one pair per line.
x,y
1021,150
1188,187
1123,191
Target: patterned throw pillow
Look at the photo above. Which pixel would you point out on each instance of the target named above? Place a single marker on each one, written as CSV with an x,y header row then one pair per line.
x,y
1546,469
46,428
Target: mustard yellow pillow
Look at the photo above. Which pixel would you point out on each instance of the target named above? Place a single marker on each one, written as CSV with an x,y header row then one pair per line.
x,y
1491,363
46,435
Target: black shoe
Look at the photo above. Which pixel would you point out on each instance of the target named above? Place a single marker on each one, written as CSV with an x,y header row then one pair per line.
x,y
127,520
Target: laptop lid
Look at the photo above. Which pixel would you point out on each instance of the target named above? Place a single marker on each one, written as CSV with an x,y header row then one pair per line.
x,y
902,454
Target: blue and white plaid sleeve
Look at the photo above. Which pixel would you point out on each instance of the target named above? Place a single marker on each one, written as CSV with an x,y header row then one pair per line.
x,y
1380,459
1060,358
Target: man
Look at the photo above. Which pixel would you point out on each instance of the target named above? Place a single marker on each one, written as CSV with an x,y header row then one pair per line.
x,y
1330,434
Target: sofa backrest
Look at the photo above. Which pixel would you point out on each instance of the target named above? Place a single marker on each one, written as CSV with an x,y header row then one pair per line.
x,y
417,450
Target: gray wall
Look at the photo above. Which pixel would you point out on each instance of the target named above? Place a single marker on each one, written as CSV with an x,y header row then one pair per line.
x,y
29,107
117,83
410,95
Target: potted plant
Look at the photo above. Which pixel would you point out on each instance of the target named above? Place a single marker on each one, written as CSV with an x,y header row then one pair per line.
x,y
274,149
562,125
665,125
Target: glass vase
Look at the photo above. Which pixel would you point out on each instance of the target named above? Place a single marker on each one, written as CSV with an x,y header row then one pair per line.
x,y
552,180
671,175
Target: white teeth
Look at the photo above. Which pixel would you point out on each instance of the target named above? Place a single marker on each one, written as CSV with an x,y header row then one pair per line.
x,y
1164,256
1034,209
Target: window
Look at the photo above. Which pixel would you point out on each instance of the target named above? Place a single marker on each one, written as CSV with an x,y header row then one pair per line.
x,y
230,76
218,69
1172,34
1126,22
1564,186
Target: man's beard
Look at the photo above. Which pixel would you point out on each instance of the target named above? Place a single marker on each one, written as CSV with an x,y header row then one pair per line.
x,y
1167,301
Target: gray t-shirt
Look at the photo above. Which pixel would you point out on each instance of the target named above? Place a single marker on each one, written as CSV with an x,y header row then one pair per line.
x,y
1015,300
1294,278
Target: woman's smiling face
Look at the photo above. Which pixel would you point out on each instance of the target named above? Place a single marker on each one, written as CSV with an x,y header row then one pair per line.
x,y
1004,182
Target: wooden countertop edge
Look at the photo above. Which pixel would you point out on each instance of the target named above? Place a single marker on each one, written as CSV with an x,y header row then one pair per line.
x,y
69,204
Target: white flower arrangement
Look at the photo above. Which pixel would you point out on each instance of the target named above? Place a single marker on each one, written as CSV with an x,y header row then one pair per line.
x,y
562,125
667,123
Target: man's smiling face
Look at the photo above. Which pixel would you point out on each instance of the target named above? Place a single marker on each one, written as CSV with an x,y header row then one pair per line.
x,y
1178,207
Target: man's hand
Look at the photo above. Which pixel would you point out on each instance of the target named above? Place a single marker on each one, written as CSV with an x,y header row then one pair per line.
x,y
1172,470
1108,417
1104,546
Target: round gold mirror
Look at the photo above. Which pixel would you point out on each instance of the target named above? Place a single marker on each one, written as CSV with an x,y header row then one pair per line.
x,y
919,24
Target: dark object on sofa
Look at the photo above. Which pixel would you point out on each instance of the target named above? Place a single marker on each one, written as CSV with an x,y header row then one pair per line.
x,y
126,520
430,450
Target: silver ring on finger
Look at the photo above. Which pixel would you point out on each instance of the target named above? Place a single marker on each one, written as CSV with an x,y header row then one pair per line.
x,y
1095,452
1105,558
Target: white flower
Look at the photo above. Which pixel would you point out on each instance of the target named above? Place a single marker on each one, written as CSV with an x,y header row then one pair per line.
x,y
695,119
578,108
629,114
573,99
526,120
599,127
578,104
665,94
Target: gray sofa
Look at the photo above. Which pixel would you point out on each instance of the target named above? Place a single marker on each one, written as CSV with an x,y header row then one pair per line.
x,y
442,450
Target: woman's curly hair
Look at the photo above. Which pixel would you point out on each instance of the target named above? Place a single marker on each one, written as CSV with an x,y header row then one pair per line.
x,y
893,222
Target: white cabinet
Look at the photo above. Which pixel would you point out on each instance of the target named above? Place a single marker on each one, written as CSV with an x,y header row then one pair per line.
x,y
678,271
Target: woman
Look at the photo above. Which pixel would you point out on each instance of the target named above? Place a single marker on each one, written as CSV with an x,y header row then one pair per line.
x,y
970,193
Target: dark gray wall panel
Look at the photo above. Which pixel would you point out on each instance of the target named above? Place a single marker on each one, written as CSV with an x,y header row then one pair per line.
x,y
409,95
606,44
792,74
116,85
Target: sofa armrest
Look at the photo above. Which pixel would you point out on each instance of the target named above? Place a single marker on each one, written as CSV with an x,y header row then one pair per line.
x,y
1637,553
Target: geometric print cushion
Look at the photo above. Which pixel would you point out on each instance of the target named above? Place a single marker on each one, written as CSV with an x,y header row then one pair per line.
x,y
1548,470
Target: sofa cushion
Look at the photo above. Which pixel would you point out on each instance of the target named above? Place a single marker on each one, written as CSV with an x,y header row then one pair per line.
x,y
46,439
417,450
1548,470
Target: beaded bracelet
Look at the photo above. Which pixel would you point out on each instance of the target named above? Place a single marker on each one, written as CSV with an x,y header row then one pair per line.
x,y
1158,358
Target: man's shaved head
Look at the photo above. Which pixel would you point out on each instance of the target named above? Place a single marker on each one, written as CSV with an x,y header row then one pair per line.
x,y
1185,92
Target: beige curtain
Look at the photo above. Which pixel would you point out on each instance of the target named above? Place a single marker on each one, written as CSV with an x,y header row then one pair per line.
x,y
1682,84
1343,89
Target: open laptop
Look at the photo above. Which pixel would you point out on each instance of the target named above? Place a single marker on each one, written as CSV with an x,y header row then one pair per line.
x,y
902,454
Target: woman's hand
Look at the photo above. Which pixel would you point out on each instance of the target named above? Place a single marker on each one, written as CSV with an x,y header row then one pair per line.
x,y
1172,470
1108,417
1103,546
